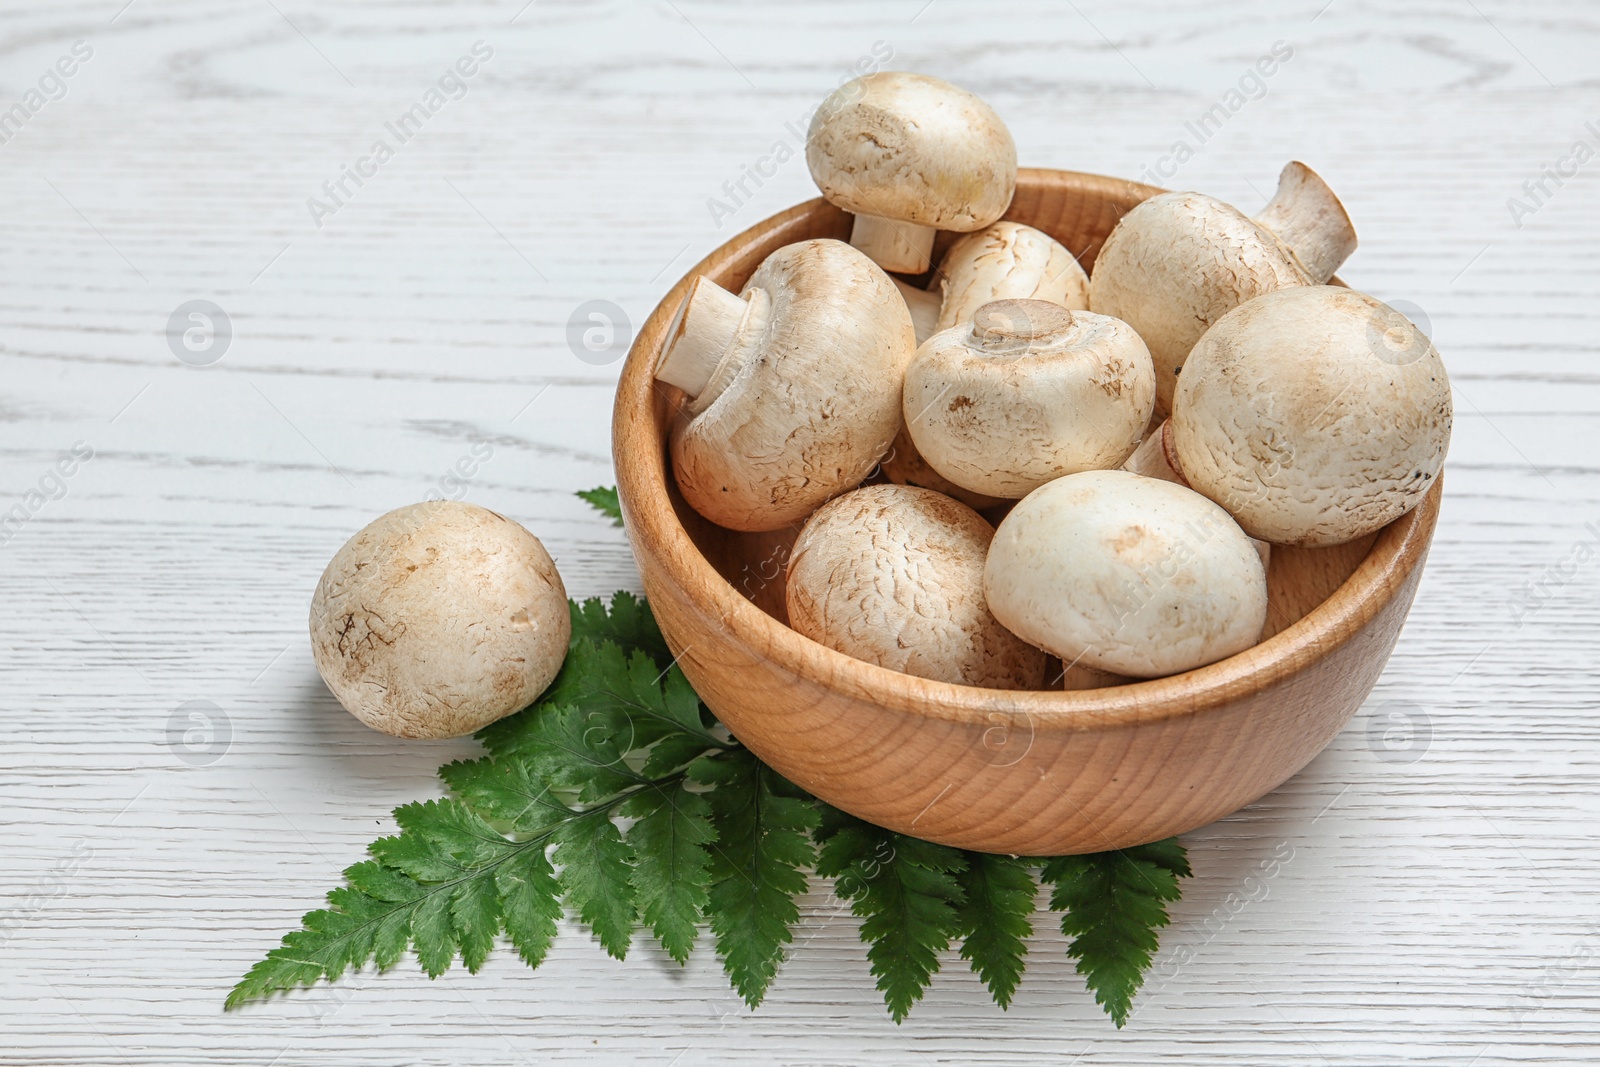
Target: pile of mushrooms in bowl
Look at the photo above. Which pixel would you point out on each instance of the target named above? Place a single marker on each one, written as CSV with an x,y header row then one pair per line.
x,y
937,518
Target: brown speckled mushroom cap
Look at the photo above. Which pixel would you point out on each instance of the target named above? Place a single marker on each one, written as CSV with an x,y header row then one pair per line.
x,y
1178,262
438,618
893,574
806,396
1127,574
1008,261
1315,415
908,155
1026,392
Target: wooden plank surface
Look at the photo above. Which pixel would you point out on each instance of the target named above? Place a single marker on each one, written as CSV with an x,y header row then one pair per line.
x,y
1432,902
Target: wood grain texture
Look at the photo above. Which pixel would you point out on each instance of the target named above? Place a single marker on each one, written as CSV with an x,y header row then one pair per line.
x,y
1031,773
1422,892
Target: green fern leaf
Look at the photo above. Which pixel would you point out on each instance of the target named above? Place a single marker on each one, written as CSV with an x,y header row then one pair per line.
x,y
626,622
672,869
906,893
507,791
530,903
596,872
603,498
757,866
1113,903
994,920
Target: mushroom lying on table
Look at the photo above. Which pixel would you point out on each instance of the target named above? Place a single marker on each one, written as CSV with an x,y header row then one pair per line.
x,y
1026,392
893,575
794,387
1178,262
437,619
1314,415
908,155
1121,573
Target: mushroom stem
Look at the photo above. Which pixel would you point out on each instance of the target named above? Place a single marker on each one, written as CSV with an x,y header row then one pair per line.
x,y
924,308
1156,457
707,322
1309,220
893,245
1004,324
1077,676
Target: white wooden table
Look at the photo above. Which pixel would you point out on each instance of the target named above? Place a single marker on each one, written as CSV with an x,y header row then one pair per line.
x,y
1436,899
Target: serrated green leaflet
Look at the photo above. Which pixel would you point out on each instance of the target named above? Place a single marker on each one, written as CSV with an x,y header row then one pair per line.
x,y
906,894
1113,903
758,866
626,622
714,838
603,498
672,869
995,920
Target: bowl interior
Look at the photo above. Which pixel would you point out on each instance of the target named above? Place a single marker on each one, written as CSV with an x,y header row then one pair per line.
x,y
1079,210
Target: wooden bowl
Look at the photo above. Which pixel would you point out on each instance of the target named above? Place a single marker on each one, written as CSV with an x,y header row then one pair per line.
x,y
1034,773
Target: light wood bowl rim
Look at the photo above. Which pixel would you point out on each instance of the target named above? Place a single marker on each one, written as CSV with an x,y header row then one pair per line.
x,y
653,525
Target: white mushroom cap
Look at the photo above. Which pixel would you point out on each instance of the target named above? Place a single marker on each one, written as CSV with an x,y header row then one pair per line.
x,y
904,465
436,619
1315,415
1157,457
1178,262
1008,261
1126,574
1026,392
908,155
893,575
794,389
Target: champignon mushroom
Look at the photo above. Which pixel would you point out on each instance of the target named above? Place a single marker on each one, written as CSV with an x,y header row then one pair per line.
x,y
793,387
924,308
893,575
908,155
1126,574
1157,457
1026,392
1314,415
1008,261
1178,262
438,618
904,465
